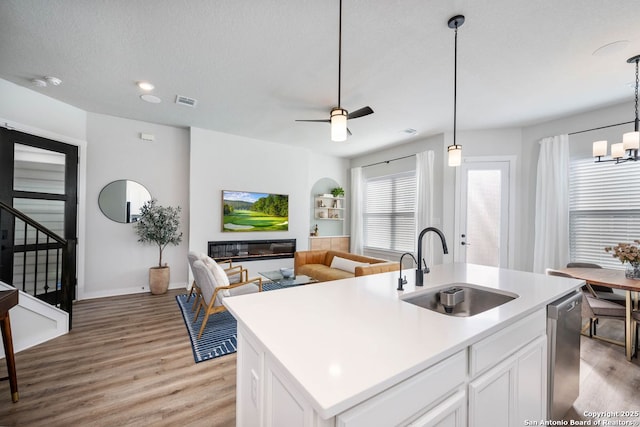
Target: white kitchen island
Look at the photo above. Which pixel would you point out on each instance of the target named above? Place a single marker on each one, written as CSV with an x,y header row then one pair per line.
x,y
352,353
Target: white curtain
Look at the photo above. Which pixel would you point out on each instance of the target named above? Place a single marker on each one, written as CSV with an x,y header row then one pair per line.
x,y
551,242
357,208
424,201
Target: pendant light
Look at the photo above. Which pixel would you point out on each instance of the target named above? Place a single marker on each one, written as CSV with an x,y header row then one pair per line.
x,y
455,150
630,140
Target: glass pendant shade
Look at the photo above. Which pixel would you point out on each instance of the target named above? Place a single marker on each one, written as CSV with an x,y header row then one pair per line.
x,y
617,150
455,155
338,124
631,140
599,148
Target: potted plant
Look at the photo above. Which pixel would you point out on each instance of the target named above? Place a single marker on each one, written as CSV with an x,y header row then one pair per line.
x,y
337,192
159,225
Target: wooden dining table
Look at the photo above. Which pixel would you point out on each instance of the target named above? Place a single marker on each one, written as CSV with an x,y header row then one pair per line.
x,y
612,279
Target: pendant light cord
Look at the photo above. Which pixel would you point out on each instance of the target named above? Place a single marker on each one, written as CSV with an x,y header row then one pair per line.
x,y
636,122
339,54
455,83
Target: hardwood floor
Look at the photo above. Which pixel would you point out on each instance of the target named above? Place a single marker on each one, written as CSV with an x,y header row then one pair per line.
x,y
607,381
127,362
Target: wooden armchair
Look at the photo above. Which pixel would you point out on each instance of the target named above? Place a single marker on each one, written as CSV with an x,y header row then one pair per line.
x,y
214,286
235,274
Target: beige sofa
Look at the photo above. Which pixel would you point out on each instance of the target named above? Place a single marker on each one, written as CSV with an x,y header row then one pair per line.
x,y
322,266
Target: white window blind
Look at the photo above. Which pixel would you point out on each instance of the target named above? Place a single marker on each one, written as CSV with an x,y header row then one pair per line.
x,y
604,209
389,212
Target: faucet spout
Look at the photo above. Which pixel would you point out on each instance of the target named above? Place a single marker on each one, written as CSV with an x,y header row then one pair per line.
x,y
403,280
420,272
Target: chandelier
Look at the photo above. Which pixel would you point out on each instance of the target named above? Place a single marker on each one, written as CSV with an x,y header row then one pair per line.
x,y
630,140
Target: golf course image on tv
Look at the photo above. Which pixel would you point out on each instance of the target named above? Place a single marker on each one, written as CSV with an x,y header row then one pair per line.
x,y
248,211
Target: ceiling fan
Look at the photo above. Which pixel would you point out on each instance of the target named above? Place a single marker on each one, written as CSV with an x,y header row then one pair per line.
x,y
339,116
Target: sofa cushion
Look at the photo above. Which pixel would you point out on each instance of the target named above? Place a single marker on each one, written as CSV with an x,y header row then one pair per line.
x,y
346,264
323,273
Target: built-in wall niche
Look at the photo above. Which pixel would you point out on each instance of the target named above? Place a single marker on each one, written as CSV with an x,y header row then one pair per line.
x,y
327,212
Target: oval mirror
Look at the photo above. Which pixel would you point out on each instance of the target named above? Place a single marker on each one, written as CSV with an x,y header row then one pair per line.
x,y
121,200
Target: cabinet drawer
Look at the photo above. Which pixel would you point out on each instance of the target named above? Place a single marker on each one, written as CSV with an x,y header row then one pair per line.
x,y
490,351
410,397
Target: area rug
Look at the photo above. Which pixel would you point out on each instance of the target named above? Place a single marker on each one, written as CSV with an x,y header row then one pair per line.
x,y
219,336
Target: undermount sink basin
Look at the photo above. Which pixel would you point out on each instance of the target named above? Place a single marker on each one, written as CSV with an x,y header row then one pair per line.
x,y
460,299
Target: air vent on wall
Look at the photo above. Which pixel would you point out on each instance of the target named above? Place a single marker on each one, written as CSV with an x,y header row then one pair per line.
x,y
185,100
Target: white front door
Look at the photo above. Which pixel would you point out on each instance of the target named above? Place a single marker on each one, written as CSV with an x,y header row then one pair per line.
x,y
484,190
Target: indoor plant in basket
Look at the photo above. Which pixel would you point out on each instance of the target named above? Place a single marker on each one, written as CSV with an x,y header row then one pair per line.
x,y
628,253
159,225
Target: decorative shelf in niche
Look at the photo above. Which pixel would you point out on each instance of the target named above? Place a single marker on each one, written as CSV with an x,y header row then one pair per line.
x,y
328,207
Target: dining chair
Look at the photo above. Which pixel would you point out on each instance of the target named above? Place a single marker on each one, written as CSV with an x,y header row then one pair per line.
x,y
601,292
215,286
193,257
594,308
635,325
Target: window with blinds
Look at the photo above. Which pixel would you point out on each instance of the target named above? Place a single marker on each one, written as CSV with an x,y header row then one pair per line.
x,y
389,212
604,209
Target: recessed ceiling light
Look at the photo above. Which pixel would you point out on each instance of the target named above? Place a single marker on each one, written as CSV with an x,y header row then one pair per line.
x,y
610,48
151,98
145,86
39,83
53,81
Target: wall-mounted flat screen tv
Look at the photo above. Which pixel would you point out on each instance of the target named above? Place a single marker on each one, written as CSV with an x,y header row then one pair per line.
x,y
249,211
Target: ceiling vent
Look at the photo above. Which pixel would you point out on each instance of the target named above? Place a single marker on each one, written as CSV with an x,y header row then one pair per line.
x,y
186,101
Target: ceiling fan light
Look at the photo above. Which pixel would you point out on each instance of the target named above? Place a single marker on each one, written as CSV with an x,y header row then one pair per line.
x,y
455,155
631,140
338,124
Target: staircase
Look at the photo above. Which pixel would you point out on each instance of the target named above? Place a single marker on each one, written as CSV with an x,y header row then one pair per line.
x,y
39,263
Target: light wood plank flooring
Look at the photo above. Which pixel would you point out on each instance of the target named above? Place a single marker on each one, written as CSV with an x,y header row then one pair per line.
x,y
128,362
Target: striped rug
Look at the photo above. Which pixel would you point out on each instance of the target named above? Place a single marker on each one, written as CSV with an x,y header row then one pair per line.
x,y
219,336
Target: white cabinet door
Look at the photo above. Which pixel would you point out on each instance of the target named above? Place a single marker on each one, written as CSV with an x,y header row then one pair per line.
x,y
513,391
532,382
491,396
450,413
248,382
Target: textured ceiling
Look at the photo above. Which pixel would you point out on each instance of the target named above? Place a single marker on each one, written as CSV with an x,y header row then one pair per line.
x,y
257,65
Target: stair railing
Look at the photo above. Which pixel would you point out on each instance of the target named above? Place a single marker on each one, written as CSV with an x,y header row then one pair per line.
x,y
45,262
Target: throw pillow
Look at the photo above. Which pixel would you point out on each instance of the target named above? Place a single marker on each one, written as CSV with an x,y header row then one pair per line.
x,y
346,264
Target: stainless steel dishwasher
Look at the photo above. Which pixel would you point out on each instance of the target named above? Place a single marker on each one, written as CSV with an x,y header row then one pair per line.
x,y
564,320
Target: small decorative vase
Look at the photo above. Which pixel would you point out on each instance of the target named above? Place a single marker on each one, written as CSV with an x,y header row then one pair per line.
x,y
632,271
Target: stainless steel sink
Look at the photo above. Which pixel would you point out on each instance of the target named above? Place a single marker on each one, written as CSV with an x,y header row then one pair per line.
x,y
460,299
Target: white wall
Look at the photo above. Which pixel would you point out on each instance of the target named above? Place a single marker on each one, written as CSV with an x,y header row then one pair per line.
x,y
221,161
37,114
116,262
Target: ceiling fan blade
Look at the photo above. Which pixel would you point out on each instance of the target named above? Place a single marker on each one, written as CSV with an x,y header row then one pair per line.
x,y
349,132
364,111
320,120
